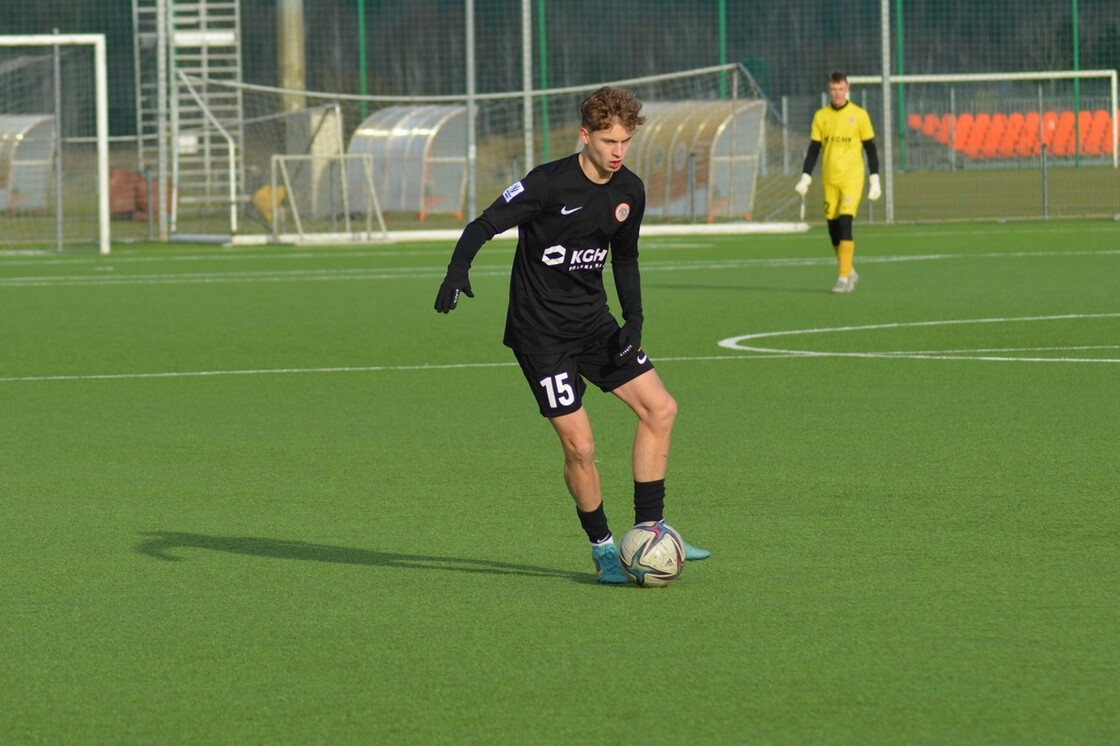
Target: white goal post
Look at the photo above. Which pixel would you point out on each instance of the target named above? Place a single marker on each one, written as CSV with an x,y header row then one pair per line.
x,y
101,114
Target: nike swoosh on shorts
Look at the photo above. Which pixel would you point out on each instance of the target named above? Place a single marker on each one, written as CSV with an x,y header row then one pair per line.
x,y
570,210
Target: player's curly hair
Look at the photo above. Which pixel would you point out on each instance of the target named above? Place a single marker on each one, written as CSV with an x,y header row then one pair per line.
x,y
600,110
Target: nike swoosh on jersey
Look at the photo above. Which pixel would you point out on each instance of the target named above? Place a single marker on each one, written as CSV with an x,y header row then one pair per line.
x,y
570,210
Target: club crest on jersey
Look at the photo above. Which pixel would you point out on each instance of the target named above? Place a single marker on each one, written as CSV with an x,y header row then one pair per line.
x,y
622,212
513,190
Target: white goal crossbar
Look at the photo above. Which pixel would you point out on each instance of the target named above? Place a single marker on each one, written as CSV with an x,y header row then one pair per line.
x,y
101,98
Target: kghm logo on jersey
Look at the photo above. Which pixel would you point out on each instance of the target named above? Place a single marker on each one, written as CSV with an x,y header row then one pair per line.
x,y
588,259
622,212
554,256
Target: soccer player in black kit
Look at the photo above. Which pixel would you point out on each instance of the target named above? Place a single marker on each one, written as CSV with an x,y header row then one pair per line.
x,y
569,213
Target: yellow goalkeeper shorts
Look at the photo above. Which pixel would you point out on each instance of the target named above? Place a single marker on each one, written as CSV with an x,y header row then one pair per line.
x,y
842,199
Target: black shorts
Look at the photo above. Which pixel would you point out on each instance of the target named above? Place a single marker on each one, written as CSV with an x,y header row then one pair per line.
x,y
558,379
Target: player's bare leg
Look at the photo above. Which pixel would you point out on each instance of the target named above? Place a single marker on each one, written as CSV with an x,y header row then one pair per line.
x,y
582,477
656,409
580,473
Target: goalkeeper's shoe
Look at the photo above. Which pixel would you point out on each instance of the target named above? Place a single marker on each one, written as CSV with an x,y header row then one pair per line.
x,y
846,284
607,567
694,553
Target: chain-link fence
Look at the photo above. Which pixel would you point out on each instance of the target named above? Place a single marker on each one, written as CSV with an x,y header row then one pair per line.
x,y
399,48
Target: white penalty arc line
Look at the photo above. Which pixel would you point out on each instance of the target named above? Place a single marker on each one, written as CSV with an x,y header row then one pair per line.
x,y
736,343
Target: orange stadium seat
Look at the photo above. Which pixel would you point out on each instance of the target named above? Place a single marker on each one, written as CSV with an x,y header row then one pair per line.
x,y
989,145
1011,134
975,139
1101,119
931,125
1106,136
946,128
1027,145
1084,121
1049,127
962,131
1062,144
1092,134
1107,149
1016,119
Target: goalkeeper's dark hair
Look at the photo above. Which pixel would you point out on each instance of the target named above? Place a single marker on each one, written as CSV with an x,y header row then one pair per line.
x,y
837,76
600,110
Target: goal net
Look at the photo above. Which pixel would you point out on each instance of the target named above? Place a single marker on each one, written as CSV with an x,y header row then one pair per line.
x,y
54,153
713,151
322,198
1000,146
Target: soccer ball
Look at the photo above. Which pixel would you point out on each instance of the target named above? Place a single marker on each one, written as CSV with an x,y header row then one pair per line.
x,y
652,554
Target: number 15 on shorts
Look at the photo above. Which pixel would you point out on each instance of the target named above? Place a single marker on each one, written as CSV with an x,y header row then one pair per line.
x,y
560,393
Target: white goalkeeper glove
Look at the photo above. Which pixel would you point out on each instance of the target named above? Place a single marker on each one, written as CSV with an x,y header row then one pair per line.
x,y
874,192
802,187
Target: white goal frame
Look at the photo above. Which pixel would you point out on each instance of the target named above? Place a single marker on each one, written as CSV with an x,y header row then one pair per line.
x,y
739,88
282,177
101,101
886,81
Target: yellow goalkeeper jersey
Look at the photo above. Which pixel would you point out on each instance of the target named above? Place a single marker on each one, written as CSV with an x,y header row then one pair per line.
x,y
841,133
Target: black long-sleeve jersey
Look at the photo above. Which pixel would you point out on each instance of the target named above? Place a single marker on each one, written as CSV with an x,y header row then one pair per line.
x,y
566,226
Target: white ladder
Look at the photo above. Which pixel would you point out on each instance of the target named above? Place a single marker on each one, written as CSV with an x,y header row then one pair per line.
x,y
203,41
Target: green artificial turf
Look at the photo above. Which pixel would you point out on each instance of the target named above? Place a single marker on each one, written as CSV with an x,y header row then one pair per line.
x,y
270,496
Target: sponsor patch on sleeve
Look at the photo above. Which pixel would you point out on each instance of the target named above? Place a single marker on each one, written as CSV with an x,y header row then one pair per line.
x,y
515,189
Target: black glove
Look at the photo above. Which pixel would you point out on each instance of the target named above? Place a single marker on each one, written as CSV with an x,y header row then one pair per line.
x,y
629,341
454,283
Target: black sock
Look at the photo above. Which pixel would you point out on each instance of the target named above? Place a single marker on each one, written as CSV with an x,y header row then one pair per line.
x,y
649,501
595,524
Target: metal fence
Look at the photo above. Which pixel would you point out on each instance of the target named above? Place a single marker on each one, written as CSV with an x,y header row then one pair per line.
x,y
408,48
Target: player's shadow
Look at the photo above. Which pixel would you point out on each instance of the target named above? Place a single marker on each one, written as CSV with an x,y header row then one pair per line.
x,y
166,545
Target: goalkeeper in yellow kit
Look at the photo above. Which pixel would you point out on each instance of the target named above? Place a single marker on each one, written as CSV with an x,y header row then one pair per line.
x,y
841,131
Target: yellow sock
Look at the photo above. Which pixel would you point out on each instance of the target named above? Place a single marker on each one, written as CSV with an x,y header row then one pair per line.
x,y
844,252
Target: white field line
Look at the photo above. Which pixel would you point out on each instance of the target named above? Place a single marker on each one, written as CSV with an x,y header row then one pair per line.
x,y
106,267
252,372
650,242
107,277
737,343
734,343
